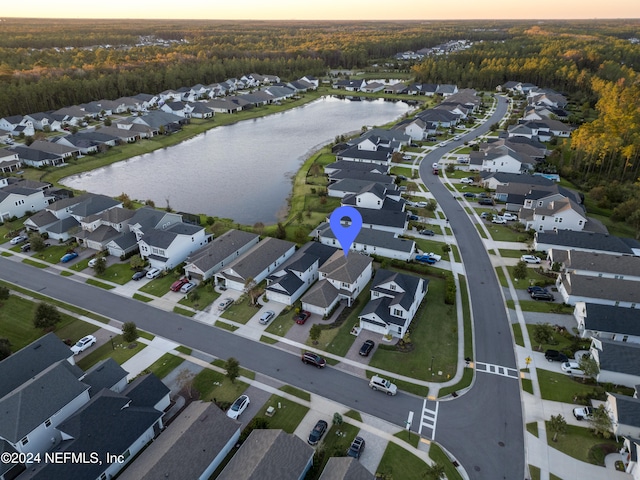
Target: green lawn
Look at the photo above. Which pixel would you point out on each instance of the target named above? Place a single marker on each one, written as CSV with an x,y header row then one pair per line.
x,y
52,254
183,349
535,472
338,340
205,296
282,323
399,463
560,342
119,273
120,354
434,334
541,306
532,428
353,414
287,417
226,326
560,387
431,246
243,371
183,311
580,443
502,233
165,365
296,392
159,286
437,455
96,283
527,385
33,263
142,298
467,377
512,253
337,440
66,273
240,312
517,334
214,385
268,340
411,438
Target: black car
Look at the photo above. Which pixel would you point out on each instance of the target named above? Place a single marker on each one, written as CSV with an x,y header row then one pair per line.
x,y
486,201
542,295
356,448
317,432
413,218
428,233
26,247
555,356
366,348
138,275
469,195
535,288
314,359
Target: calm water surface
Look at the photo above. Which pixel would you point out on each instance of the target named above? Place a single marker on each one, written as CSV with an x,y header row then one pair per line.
x,y
241,171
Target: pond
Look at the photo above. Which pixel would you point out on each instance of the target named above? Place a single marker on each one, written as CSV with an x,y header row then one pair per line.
x,y
241,171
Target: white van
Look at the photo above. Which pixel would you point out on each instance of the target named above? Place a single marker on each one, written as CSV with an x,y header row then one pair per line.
x,y
153,273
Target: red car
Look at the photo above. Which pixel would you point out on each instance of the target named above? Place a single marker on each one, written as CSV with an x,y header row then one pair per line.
x,y
302,317
177,285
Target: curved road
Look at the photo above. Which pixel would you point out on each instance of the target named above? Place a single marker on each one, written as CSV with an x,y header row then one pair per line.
x,y
484,427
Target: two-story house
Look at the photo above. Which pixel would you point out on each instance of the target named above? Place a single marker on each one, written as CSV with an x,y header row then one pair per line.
x,y
592,289
395,298
553,212
167,248
17,199
607,321
619,362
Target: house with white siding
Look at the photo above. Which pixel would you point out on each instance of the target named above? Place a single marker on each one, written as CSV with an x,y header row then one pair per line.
x,y
607,321
16,199
167,248
560,214
624,412
605,291
619,362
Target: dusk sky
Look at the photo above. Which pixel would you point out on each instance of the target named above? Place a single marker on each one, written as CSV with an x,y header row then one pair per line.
x,y
326,9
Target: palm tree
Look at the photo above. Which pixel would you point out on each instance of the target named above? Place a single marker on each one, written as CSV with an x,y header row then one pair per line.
x,y
434,472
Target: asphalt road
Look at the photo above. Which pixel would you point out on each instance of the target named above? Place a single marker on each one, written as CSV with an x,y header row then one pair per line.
x,y
484,427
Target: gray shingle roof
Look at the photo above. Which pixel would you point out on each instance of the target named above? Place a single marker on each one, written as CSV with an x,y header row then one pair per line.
x,y
610,319
259,257
628,409
363,166
321,294
104,374
586,240
377,238
621,357
383,217
63,226
601,287
345,269
146,391
345,468
94,204
605,263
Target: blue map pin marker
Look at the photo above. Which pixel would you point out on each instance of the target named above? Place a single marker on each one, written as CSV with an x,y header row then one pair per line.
x,y
345,234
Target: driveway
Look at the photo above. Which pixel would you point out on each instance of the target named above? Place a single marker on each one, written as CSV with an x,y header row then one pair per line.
x,y
353,354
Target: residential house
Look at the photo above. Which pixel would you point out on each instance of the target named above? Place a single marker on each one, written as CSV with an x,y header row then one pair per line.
x,y
441,118
350,85
105,374
446,90
99,229
340,278
181,109
169,247
301,86
36,158
312,80
632,448
580,262
44,121
122,134
366,192
395,298
385,219
261,260
180,452
601,290
416,128
355,154
493,180
427,89
624,412
200,110
606,321
298,273
360,166
586,241
157,121
17,199
73,115
9,161
396,88
519,88
17,125
222,105
501,160
546,97
554,213
169,95
373,87
63,151
345,468
210,259
146,101
618,362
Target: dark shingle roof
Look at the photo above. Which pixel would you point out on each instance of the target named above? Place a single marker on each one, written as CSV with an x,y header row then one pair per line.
x,y
620,357
587,240
345,468
628,410
610,319
146,391
104,374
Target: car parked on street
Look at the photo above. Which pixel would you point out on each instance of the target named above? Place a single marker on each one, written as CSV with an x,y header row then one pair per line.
x,y
187,287
18,239
83,344
530,259
555,356
225,303
427,232
356,448
153,273
68,257
314,359
317,432
582,413
302,317
138,275
366,348
267,316
239,406
382,384
178,284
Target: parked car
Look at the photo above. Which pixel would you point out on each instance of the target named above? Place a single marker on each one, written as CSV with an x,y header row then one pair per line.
x,y
239,406
510,217
425,259
435,256
267,316
542,295
302,317
486,201
317,432
414,218
314,359
582,413
427,232
225,303
555,356
18,239
93,262
25,248
467,180
366,348
401,177
535,288
153,273
382,384
187,287
68,257
435,166
356,448
178,284
571,367
138,275
530,259
485,215
498,219
421,204
83,344
406,157
469,195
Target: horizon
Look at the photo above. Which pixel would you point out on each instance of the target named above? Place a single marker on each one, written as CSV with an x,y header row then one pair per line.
x,y
329,10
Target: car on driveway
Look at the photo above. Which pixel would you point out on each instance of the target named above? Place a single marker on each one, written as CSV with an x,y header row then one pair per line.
x,y
356,448
18,239
302,317
427,232
314,359
467,180
68,257
138,275
571,367
486,201
178,284
225,303
510,217
469,195
187,287
83,344
530,259
93,262
535,288
542,295
555,356
382,384
25,248
267,316
498,219
425,259
317,432
582,413
414,218
366,348
421,204
435,256
239,406
153,273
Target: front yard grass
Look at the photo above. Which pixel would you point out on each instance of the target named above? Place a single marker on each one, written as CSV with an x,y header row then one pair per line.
x,y
337,440
582,444
517,334
338,340
281,324
240,312
502,233
165,365
437,455
96,283
511,253
532,428
559,387
532,275
428,246
33,263
560,342
183,311
123,351
212,385
119,273
434,334
159,286
288,415
243,371
406,436
296,392
52,254
226,326
204,296
400,463
142,298
541,306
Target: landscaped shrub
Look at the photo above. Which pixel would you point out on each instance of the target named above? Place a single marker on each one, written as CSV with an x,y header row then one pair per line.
x,y
450,290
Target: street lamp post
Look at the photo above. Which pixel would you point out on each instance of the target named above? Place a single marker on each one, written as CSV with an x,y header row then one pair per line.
x,y
431,367
112,345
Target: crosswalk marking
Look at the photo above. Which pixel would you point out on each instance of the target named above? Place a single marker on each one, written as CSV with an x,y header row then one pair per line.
x,y
428,419
497,370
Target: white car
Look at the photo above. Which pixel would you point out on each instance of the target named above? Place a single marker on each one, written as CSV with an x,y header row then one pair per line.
x,y
572,367
421,204
18,239
267,316
83,344
153,273
93,262
509,216
435,165
187,287
382,384
467,180
406,157
239,406
498,219
224,304
530,259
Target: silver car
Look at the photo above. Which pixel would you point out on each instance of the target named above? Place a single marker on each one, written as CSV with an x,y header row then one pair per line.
x,y
267,316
